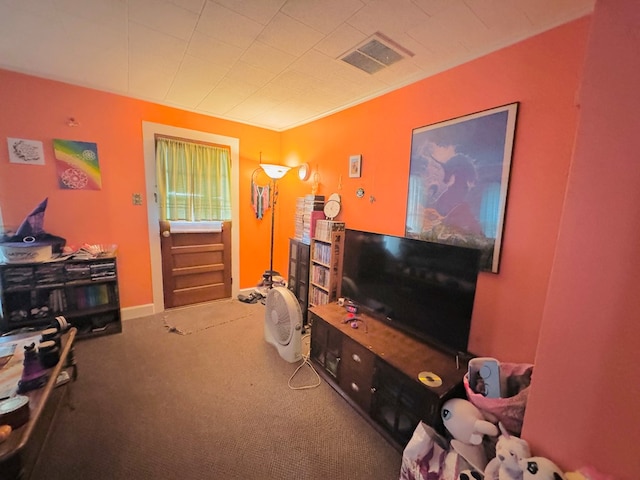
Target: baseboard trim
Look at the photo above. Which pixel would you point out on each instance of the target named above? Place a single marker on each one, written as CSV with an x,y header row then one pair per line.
x,y
137,311
129,313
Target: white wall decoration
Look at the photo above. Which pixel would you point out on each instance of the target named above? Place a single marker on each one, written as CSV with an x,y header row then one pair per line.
x,y
27,152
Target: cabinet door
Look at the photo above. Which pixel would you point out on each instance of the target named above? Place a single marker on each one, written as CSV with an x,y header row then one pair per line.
x,y
319,329
399,403
298,280
293,265
356,372
303,279
325,345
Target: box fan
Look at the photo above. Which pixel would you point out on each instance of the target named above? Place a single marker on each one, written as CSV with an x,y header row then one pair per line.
x,y
283,323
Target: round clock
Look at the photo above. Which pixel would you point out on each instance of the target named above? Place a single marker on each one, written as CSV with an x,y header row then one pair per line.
x,y
332,206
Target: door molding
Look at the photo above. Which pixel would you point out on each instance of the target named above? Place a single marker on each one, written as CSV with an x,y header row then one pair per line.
x,y
149,131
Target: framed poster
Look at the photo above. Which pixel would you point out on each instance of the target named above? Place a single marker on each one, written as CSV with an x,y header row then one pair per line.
x,y
355,166
458,181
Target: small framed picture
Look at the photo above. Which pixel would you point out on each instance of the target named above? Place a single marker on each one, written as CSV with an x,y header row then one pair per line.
x,y
355,166
27,152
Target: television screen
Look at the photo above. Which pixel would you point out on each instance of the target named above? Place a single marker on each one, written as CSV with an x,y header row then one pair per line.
x,y
426,289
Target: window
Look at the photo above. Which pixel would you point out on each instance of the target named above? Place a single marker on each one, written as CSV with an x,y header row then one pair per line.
x,y
194,180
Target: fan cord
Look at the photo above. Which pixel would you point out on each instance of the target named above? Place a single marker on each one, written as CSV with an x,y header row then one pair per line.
x,y
305,361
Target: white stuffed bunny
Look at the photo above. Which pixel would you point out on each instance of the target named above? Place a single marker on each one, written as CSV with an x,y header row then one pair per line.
x,y
506,464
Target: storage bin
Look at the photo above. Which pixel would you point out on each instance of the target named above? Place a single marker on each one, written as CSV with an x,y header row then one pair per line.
x,y
507,410
16,252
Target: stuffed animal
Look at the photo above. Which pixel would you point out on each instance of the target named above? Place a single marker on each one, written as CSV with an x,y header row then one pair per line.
x,y
587,473
506,464
469,475
540,468
575,476
464,421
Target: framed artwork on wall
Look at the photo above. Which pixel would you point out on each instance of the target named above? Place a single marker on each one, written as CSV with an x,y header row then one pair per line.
x,y
458,181
77,165
355,166
27,152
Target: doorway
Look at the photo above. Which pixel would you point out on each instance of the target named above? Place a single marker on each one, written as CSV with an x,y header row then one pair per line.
x,y
149,130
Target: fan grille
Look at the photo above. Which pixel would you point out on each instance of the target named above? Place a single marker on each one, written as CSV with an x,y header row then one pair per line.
x,y
279,320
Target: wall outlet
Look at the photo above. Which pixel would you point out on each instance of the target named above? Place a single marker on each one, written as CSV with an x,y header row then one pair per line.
x,y
136,199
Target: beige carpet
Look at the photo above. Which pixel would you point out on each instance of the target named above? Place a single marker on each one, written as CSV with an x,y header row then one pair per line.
x,y
198,394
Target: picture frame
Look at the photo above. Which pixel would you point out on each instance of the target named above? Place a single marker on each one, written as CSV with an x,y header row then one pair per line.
x,y
77,165
355,166
26,152
458,181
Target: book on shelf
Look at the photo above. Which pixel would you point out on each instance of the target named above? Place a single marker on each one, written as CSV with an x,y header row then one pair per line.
x,y
326,230
320,275
318,297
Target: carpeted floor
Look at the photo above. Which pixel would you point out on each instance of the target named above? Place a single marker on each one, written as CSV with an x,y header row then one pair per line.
x,y
196,393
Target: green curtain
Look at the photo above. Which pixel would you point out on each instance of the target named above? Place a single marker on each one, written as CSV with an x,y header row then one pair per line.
x,y
194,180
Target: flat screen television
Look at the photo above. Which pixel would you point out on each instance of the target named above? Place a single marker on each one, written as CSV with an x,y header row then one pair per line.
x,y
425,289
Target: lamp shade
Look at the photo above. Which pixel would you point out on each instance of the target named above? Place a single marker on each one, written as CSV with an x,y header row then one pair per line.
x,y
274,171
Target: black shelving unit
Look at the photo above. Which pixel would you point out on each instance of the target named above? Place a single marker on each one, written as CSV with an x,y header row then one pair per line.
x,y
298,280
84,291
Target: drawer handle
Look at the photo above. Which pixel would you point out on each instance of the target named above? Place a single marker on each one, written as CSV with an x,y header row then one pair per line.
x,y
355,387
356,358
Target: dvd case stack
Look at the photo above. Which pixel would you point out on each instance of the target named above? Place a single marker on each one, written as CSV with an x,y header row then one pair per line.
x,y
299,218
312,211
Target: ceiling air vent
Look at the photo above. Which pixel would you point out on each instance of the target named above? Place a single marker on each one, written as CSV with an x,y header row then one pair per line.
x,y
376,53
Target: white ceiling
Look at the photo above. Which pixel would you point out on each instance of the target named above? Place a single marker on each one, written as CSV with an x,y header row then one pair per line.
x,y
269,63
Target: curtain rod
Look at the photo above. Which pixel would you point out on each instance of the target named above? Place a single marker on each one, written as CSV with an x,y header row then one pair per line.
x,y
189,140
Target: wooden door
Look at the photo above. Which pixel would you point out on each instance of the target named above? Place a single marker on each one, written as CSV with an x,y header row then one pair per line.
x,y
196,267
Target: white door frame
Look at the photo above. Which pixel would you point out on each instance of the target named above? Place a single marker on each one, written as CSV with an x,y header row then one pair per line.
x,y
149,130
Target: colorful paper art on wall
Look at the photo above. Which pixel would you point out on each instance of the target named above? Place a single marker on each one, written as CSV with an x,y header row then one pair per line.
x,y
77,165
27,152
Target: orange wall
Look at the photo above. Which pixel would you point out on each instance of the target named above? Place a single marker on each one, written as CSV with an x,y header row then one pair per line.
x,y
509,306
37,109
583,407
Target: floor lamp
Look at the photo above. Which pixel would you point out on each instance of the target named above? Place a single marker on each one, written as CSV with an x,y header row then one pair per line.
x,y
274,172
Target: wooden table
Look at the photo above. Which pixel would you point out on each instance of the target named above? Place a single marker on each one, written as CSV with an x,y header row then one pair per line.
x,y
19,453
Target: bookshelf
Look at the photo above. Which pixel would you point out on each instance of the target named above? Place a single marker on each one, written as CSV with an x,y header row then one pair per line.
x,y
85,291
326,262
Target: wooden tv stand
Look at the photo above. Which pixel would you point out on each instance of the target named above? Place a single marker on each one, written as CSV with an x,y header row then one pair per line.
x,y
375,368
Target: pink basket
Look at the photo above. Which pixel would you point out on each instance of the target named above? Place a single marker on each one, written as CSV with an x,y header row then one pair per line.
x,y
508,410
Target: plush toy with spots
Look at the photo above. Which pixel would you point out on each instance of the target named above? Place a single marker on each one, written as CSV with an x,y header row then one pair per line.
x,y
506,464
540,468
469,475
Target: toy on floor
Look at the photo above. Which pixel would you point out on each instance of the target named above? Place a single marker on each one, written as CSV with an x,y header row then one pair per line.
x,y
469,475
587,473
467,426
465,422
509,451
540,468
